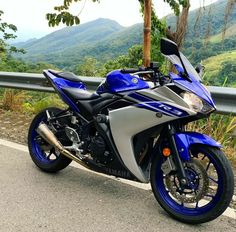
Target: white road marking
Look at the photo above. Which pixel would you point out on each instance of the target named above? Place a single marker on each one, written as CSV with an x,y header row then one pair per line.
x,y
16,146
229,212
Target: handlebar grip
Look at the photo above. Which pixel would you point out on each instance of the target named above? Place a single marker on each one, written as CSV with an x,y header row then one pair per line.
x,y
129,70
132,70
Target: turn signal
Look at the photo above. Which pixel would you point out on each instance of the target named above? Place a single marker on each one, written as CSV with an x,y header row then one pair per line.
x,y
166,151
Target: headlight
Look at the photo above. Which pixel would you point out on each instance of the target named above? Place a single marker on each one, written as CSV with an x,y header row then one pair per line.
x,y
196,104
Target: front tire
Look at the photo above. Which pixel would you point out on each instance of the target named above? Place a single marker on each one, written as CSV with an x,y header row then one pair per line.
x,y
45,156
217,183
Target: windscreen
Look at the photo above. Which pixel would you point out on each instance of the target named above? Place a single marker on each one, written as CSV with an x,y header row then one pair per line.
x,y
189,68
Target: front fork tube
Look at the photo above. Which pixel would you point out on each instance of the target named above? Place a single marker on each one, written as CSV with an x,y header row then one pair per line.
x,y
176,157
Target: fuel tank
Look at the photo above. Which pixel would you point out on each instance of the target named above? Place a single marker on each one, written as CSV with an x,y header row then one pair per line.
x,y
116,82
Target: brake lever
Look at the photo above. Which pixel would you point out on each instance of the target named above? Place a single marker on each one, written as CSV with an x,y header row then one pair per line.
x,y
163,80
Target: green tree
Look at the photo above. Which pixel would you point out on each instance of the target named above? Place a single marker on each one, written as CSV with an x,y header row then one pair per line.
x,y
7,62
159,27
88,68
134,56
7,32
132,59
227,73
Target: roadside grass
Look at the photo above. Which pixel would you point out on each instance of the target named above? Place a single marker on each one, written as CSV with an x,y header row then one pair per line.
x,y
29,102
35,107
222,128
13,99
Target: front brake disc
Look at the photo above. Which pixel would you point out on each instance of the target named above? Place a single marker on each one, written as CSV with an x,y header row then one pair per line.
x,y
198,183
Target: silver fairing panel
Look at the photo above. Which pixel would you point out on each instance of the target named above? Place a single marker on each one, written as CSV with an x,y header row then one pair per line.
x,y
125,123
128,121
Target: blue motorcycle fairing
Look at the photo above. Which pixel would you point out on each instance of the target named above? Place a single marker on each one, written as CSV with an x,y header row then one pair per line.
x,y
195,87
116,82
185,140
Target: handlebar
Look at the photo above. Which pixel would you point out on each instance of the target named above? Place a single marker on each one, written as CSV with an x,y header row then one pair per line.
x,y
151,73
154,67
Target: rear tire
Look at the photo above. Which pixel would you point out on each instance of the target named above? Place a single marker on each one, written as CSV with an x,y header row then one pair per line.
x,y
39,156
214,206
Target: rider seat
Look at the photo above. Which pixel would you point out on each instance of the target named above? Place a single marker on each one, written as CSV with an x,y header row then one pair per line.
x,y
79,94
66,75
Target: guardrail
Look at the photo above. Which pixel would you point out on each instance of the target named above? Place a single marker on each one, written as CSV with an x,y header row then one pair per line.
x,y
37,82
224,97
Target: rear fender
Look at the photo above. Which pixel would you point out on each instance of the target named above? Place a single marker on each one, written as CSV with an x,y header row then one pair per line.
x,y
185,140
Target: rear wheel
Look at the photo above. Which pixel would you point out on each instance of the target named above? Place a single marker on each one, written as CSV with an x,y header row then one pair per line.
x,y
45,156
210,187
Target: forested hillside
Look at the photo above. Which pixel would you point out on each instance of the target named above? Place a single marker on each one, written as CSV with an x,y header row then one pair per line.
x,y
69,37
102,39
221,69
205,32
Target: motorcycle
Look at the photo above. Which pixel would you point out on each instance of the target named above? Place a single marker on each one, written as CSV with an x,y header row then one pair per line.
x,y
134,126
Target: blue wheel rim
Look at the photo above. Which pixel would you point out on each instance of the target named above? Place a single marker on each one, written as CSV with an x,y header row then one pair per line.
x,y
181,209
37,152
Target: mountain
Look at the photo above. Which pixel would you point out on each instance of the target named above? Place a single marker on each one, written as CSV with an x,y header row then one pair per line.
x,y
101,38
105,39
115,44
24,43
68,37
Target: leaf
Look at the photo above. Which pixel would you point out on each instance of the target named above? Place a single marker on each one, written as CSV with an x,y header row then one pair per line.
x,y
77,20
72,21
53,23
12,27
48,16
58,19
66,17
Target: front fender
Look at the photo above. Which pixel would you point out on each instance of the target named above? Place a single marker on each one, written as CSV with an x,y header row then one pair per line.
x,y
185,140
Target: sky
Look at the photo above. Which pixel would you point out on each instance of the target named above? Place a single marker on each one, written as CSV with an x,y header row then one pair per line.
x,y
29,15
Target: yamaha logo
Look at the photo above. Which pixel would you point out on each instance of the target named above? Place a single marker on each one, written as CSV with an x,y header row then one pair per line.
x,y
135,80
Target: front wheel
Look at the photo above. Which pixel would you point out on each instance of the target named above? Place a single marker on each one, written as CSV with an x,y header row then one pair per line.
x,y
210,189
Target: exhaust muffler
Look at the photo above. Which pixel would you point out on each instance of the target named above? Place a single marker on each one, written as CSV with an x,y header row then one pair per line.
x,y
48,136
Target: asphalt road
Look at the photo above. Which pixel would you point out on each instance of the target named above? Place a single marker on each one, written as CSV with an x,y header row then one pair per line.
x,y
77,200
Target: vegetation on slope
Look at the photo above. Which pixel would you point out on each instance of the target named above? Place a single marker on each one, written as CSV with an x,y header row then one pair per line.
x,y
221,69
230,32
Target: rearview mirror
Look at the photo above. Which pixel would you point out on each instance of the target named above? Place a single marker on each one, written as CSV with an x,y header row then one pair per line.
x,y
169,47
200,70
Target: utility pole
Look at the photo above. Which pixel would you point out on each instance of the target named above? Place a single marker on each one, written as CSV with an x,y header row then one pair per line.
x,y
147,32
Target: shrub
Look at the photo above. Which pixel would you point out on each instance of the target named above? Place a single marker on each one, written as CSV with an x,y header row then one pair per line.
x,y
36,106
222,129
13,99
